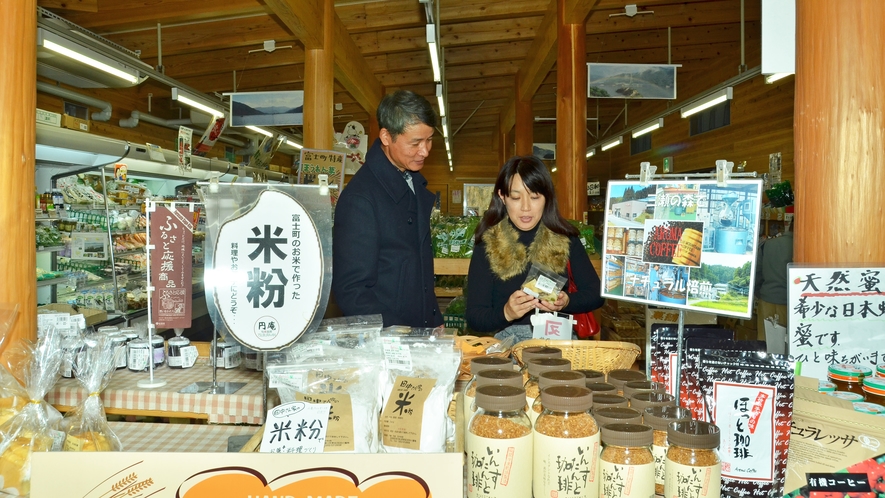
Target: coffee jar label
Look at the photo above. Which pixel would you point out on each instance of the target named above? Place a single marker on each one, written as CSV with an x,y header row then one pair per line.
x,y
499,468
626,481
566,466
687,480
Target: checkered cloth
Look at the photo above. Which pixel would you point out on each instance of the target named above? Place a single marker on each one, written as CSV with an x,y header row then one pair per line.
x,y
179,438
243,407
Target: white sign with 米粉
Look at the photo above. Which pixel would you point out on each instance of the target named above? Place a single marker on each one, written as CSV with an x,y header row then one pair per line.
x,y
296,427
836,315
272,269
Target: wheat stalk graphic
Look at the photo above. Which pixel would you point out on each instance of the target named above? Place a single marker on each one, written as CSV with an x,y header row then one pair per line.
x,y
126,481
140,487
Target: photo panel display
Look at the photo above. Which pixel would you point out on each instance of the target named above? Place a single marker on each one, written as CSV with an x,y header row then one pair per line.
x,y
689,245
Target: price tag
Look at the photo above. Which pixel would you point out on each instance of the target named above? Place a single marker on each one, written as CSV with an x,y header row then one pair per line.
x,y
294,380
189,356
296,427
397,355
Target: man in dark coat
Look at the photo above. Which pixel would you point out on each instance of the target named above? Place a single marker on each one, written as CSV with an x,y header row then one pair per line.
x,y
382,254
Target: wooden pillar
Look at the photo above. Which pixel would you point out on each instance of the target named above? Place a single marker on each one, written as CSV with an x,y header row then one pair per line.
x,y
18,101
319,86
839,123
571,116
525,124
504,147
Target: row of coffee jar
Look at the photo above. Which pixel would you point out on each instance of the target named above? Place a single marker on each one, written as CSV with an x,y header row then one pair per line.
x,y
558,453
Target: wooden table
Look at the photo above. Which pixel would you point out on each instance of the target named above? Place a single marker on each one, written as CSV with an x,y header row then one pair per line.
x,y
179,438
124,397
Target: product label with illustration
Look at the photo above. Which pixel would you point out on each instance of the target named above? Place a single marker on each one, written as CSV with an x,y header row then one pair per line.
x,y
499,468
745,415
626,481
565,466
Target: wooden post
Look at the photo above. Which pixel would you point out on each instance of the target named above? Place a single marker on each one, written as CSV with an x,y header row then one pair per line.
x,y
18,101
571,116
525,124
319,86
839,122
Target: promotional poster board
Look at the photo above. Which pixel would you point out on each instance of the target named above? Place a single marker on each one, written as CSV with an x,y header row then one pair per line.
x,y
682,244
836,315
268,261
171,234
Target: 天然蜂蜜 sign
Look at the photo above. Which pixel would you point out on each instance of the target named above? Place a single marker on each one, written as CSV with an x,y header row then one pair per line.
x,y
269,272
245,475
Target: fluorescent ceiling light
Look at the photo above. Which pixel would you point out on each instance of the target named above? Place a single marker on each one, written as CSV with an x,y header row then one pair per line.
x,y
648,127
192,102
260,130
75,51
434,52
445,129
591,153
297,145
441,100
771,78
553,170
707,102
613,143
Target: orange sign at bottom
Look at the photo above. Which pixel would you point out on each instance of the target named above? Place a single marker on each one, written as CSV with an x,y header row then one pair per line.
x,y
245,475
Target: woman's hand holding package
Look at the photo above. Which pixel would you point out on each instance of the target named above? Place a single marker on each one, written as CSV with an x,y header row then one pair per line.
x,y
561,302
518,305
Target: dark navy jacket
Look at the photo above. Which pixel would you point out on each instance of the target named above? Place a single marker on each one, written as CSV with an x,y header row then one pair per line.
x,y
382,255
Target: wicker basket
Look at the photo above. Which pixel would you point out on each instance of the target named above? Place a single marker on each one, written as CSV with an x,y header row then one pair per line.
x,y
587,355
474,347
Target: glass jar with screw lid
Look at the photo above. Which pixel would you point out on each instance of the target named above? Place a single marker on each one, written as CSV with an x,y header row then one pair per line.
x,y
499,445
692,465
626,465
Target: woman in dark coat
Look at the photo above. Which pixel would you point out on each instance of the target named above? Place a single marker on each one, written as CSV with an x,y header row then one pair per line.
x,y
523,226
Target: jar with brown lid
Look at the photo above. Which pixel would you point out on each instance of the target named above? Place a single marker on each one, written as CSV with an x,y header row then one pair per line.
x,y
478,365
848,377
641,386
554,378
499,445
601,388
659,417
605,399
620,377
490,378
626,465
536,353
536,368
592,375
648,399
692,467
566,444
874,390
617,415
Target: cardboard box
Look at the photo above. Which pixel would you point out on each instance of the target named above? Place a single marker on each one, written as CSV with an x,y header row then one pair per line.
x,y
50,118
73,123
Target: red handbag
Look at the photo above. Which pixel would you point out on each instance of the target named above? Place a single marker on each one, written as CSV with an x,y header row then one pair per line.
x,y
587,325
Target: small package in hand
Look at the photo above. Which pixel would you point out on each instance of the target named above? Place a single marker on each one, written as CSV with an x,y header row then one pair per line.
x,y
543,284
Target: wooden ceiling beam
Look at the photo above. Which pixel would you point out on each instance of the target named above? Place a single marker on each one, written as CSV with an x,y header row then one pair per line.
x,y
384,42
291,76
472,71
227,60
202,37
499,30
353,72
303,18
675,16
458,11
381,16
491,52
680,37
70,5
119,15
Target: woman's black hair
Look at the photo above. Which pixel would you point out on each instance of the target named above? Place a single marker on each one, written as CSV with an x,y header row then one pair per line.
x,y
537,180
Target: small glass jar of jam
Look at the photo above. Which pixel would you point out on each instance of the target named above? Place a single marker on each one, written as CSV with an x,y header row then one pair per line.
x,y
874,390
175,357
848,377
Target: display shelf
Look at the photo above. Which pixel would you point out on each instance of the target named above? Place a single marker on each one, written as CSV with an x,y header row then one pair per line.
x,y
51,249
130,252
52,281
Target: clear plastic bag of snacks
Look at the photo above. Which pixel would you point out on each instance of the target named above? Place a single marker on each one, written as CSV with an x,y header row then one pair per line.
x,y
33,427
543,283
86,426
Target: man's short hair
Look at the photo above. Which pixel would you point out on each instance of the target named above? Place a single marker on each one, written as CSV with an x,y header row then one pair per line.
x,y
402,109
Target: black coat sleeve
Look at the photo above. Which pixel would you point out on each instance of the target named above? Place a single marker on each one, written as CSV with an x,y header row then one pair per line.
x,y
483,314
356,245
587,298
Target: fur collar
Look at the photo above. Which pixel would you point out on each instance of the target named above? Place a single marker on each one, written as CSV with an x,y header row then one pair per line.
x,y
509,258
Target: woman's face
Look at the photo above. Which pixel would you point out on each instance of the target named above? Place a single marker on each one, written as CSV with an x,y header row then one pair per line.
x,y
523,207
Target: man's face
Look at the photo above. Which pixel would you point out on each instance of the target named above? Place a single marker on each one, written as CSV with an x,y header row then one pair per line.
x,y
409,149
